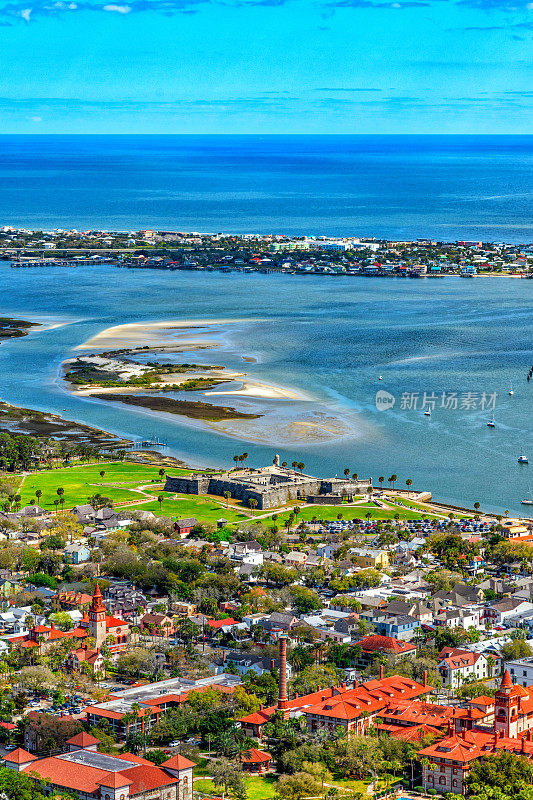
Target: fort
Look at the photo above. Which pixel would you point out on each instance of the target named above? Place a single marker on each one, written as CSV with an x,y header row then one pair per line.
x,y
269,487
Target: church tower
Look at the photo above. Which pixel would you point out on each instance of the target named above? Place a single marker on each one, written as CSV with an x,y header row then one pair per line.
x,y
506,708
97,621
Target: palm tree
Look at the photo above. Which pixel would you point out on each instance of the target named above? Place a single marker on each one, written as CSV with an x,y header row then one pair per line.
x,y
56,502
227,495
490,665
301,466
102,473
38,495
283,463
294,464
252,502
236,459
408,482
244,457
354,476
393,478
381,480
60,492
346,471
160,498
161,472
62,502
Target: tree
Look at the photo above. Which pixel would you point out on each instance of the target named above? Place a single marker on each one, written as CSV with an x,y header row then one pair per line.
x,y
393,478
36,678
297,786
160,498
252,502
229,775
102,473
408,482
381,480
227,495
505,771
38,495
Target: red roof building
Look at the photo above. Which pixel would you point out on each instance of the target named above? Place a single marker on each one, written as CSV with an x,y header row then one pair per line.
x,y
88,773
446,764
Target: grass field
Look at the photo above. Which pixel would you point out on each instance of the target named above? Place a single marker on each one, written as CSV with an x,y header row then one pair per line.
x,y
351,512
258,787
205,509
82,481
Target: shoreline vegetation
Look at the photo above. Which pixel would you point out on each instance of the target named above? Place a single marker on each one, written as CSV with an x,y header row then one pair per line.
x,y
15,328
194,409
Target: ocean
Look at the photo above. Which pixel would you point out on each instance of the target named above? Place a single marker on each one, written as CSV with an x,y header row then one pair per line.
x,y
460,343
397,187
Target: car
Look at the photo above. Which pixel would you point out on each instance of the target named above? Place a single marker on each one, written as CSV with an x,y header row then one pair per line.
x,y
175,743
9,747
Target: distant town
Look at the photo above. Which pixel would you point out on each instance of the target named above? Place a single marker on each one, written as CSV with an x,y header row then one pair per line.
x,y
265,253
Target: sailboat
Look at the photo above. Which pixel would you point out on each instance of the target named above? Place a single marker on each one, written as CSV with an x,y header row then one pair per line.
x,y
491,423
528,501
522,459
427,413
511,391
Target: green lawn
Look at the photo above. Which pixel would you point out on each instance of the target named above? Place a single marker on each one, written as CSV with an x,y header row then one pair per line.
x,y
205,509
258,787
82,481
351,512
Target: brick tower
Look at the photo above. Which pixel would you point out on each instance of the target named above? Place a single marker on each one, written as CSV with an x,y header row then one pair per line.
x,y
97,622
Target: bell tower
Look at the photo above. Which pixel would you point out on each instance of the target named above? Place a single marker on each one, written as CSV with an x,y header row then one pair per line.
x,y
506,706
97,623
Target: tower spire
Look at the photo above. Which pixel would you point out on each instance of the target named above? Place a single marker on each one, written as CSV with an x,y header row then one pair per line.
x,y
283,700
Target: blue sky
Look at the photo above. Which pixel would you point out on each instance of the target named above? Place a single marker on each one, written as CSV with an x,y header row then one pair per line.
x,y
272,66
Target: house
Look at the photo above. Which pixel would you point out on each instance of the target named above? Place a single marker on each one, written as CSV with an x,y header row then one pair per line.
x,y
8,588
244,662
521,670
398,627
85,656
68,601
89,774
183,527
278,620
456,665
466,617
77,553
295,559
158,625
369,557
504,610
394,649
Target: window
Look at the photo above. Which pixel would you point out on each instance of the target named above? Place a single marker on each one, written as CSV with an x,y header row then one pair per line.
x,y
442,780
454,783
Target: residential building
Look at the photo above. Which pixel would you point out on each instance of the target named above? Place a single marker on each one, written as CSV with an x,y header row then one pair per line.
x,y
456,665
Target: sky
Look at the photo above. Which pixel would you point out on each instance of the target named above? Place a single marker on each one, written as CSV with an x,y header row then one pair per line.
x,y
266,66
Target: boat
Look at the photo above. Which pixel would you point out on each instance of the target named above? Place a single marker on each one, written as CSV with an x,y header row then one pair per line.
x,y
527,502
427,413
380,378
522,459
491,423
511,391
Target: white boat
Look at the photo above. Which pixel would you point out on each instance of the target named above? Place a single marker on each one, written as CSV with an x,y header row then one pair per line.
x,y
380,378
527,502
511,391
491,423
522,459
427,413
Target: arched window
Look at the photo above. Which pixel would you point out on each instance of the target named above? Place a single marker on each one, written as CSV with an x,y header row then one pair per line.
x,y
442,779
454,782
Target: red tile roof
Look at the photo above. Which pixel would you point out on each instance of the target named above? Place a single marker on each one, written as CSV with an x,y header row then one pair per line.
x,y
146,778
385,644
254,756
178,762
83,739
219,623
19,756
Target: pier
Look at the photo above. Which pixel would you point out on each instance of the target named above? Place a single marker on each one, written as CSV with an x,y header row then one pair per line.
x,y
146,444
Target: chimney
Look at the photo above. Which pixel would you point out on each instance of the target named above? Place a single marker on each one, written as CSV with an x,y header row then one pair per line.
x,y
381,672
282,694
425,677
272,665
356,683
528,735
523,746
52,626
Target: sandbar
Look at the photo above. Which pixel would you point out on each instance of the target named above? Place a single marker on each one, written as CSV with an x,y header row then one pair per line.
x,y
151,334
267,391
